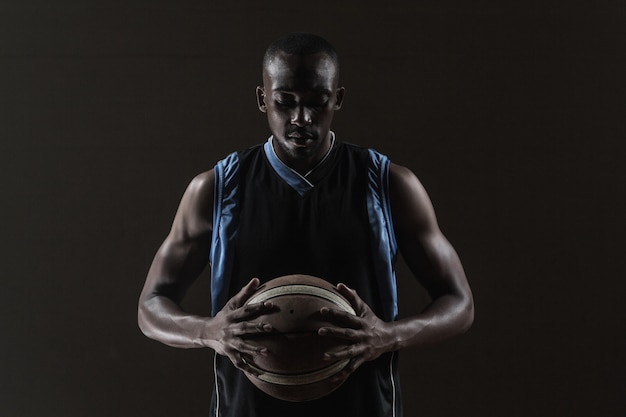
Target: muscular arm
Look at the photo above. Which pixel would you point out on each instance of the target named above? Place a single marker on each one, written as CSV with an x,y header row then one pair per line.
x,y
178,262
180,259
433,261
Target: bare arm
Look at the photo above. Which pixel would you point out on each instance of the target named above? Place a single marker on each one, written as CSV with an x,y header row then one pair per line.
x,y
433,261
177,264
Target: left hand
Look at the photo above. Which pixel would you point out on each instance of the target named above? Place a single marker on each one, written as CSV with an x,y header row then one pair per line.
x,y
367,335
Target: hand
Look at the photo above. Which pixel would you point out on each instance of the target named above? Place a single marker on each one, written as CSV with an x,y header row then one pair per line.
x,y
234,321
368,336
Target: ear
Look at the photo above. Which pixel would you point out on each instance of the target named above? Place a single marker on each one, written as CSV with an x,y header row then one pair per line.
x,y
341,91
260,99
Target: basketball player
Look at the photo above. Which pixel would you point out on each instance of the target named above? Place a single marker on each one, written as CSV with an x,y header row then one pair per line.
x,y
306,202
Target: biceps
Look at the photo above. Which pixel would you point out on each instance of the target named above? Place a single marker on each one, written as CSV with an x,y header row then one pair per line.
x,y
176,266
434,262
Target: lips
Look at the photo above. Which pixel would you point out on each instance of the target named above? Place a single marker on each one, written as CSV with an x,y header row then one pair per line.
x,y
301,135
300,142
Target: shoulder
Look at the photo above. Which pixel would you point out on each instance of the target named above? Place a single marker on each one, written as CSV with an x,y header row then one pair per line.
x,y
200,191
202,183
403,181
402,177
410,203
195,212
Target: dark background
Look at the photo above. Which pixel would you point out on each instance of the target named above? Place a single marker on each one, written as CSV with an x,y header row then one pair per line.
x,y
512,114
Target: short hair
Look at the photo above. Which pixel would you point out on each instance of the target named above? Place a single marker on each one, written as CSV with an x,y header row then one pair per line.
x,y
301,43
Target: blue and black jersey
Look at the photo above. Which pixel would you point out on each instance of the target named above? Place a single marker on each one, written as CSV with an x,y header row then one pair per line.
x,y
334,223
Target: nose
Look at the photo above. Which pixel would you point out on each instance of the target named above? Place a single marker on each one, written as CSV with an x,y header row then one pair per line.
x,y
301,116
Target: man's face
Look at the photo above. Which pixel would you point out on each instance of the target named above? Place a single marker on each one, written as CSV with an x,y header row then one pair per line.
x,y
300,96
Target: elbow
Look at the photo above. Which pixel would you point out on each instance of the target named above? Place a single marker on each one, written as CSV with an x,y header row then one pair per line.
x,y
467,314
143,320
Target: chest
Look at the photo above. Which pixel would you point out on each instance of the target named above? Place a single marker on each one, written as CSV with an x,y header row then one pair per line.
x,y
323,232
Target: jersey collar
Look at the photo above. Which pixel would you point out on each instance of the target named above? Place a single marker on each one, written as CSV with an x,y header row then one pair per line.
x,y
300,183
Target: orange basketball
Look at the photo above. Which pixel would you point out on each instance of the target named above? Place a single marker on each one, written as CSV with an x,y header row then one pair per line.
x,y
294,369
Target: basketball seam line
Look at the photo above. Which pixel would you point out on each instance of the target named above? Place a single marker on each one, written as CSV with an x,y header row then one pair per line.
x,y
299,289
299,379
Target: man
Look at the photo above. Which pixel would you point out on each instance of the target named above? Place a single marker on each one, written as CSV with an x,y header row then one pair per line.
x,y
306,203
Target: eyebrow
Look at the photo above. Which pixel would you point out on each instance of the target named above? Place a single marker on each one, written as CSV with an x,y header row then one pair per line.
x,y
320,90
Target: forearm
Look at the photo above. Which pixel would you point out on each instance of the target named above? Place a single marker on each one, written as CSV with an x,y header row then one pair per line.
x,y
446,317
163,320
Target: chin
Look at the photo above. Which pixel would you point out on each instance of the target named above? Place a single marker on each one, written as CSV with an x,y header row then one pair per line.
x,y
297,152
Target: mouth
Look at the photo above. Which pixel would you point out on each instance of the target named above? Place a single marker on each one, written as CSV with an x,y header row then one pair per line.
x,y
298,141
300,135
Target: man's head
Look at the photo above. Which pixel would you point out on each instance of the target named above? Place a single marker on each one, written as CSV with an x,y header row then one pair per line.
x,y
300,44
300,94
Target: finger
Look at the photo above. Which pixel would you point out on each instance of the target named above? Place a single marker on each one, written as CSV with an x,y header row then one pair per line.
x,y
251,349
252,311
244,294
340,318
241,363
252,328
241,348
261,327
248,366
347,352
340,333
348,370
351,295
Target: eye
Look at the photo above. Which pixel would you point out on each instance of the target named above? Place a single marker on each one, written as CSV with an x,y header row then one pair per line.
x,y
284,100
319,101
284,103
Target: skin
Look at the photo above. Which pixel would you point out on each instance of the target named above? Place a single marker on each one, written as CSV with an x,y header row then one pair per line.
x,y
299,96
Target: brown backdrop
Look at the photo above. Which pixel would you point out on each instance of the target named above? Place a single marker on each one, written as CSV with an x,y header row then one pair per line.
x,y
512,116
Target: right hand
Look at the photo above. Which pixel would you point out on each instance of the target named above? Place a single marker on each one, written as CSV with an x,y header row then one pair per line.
x,y
234,321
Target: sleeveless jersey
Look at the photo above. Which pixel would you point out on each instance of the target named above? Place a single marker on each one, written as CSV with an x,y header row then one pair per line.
x,y
333,223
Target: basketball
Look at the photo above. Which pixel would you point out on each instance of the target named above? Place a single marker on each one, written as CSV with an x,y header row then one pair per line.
x,y
294,369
